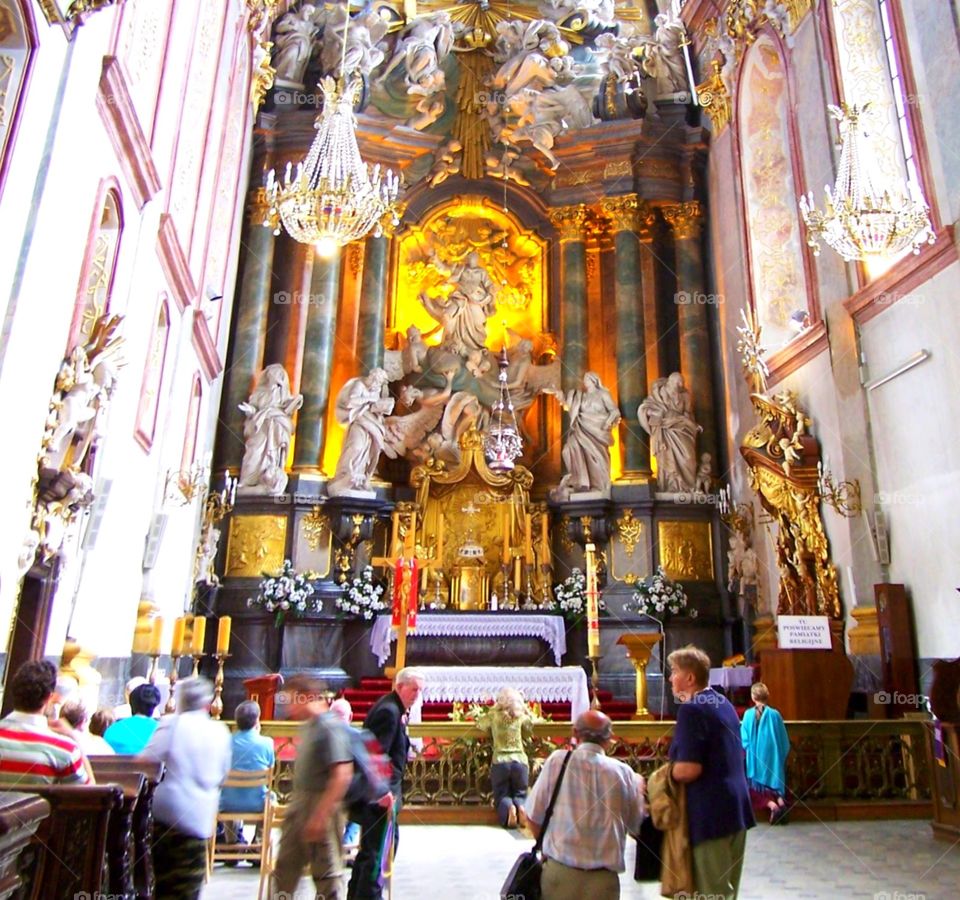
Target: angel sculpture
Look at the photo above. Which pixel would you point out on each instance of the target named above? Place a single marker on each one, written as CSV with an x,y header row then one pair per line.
x,y
293,38
364,53
447,163
464,313
400,363
405,433
461,414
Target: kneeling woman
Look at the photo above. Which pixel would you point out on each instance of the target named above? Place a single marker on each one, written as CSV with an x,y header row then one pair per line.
x,y
508,722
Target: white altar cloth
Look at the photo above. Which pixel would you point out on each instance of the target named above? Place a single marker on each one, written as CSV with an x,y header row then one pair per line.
x,y
731,677
552,629
538,684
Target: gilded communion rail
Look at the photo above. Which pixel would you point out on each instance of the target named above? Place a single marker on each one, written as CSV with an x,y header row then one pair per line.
x,y
838,769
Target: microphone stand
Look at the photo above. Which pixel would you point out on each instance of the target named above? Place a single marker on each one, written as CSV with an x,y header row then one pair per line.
x,y
663,647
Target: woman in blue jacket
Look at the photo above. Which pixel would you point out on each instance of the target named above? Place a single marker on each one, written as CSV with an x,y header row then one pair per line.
x,y
764,738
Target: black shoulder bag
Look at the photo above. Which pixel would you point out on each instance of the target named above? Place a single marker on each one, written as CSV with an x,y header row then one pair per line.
x,y
523,882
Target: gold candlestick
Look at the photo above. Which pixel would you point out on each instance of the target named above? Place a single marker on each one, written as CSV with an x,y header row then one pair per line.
x,y
216,708
154,663
595,682
547,572
171,706
196,664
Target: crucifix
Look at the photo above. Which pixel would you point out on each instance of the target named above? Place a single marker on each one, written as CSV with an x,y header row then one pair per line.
x,y
405,566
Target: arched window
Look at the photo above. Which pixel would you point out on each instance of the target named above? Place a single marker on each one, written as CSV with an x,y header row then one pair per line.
x,y
874,71
189,455
18,41
777,264
153,378
96,280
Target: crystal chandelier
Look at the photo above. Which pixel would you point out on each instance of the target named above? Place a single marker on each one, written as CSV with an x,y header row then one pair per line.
x,y
861,220
501,441
333,199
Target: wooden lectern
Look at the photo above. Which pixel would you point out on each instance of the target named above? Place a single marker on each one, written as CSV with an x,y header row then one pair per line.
x,y
808,684
264,689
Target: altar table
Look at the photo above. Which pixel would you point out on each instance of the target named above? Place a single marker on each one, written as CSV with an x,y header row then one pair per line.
x,y
538,684
551,629
731,677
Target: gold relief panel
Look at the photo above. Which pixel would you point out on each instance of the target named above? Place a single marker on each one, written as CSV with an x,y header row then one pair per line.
x,y
686,550
313,543
255,544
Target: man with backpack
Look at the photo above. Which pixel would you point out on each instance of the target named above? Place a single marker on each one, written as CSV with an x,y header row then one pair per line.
x,y
387,720
313,824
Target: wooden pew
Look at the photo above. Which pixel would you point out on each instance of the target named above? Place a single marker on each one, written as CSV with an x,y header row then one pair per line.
x,y
68,851
118,769
20,816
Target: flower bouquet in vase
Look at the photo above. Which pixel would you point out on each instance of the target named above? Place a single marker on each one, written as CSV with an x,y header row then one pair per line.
x,y
286,593
361,597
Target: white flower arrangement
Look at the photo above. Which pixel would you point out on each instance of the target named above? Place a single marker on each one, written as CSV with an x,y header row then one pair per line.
x,y
570,596
659,597
286,593
361,596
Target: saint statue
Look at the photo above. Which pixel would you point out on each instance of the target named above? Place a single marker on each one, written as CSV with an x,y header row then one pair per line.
x,y
362,406
293,39
464,313
586,450
666,416
266,432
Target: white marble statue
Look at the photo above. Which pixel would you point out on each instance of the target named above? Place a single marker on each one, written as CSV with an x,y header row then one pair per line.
x,y
400,363
464,313
293,43
462,412
364,49
267,431
403,434
615,54
207,557
704,480
446,163
667,417
28,552
743,566
663,58
362,406
586,447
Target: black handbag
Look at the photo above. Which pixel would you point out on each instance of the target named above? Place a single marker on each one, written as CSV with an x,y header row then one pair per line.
x,y
523,882
649,849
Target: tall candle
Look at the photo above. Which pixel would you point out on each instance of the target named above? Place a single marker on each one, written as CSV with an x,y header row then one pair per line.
x,y
505,528
223,636
199,633
412,534
440,541
593,604
179,630
156,635
527,545
544,538
394,533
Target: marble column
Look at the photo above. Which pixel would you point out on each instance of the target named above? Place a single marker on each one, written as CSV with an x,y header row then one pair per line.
x,y
686,220
373,302
248,332
570,222
624,215
319,337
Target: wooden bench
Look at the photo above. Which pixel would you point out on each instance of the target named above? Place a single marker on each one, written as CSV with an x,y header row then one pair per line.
x,y
20,816
125,770
68,852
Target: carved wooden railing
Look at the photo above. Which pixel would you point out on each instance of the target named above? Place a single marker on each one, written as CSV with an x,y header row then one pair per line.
x,y
859,761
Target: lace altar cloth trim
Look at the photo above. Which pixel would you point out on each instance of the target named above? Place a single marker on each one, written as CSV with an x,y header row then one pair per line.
x,y
552,629
537,684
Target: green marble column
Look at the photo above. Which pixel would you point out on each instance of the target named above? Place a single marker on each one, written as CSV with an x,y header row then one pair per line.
x,y
248,333
624,215
315,371
373,303
570,222
692,303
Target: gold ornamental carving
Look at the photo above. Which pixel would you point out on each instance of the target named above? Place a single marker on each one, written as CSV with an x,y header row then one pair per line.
x,y
255,544
578,177
570,222
314,525
630,531
684,218
715,98
261,79
686,550
619,169
565,540
258,209
627,213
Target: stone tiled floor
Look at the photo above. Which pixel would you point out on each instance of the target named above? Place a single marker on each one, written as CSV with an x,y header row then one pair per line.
x,y
872,860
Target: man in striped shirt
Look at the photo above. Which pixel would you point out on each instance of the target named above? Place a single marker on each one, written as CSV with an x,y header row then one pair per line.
x,y
31,753
599,803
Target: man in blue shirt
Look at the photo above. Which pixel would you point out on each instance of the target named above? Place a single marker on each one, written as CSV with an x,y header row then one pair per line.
x,y
708,758
129,736
251,752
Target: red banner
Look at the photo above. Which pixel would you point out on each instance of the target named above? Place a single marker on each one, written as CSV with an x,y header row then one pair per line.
x,y
405,588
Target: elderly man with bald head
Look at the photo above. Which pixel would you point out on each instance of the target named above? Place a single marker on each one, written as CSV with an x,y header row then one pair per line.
x,y
600,802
